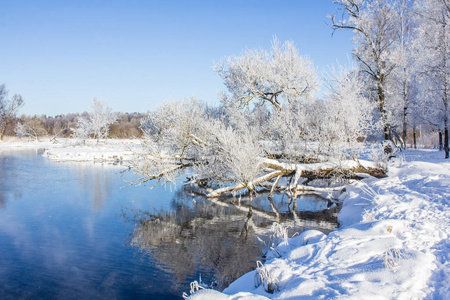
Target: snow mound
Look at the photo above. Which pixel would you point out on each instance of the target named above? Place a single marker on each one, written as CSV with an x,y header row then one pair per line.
x,y
212,294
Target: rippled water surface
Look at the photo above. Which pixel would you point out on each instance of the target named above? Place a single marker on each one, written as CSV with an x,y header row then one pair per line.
x,y
69,231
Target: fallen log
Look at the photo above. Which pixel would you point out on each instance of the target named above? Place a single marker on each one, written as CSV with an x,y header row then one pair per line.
x,y
350,170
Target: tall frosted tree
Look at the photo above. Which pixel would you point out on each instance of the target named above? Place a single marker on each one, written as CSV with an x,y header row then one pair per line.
x,y
404,77
433,46
95,123
374,24
278,77
287,83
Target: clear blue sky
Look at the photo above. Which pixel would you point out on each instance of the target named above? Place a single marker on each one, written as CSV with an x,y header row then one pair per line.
x,y
134,55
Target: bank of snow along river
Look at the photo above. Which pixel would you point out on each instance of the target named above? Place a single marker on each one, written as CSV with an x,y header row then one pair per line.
x,y
392,243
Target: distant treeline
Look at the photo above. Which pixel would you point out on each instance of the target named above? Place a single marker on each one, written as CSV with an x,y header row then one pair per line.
x,y
60,126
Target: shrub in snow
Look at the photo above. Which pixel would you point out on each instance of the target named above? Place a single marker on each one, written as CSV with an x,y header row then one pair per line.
x,y
391,258
264,277
278,234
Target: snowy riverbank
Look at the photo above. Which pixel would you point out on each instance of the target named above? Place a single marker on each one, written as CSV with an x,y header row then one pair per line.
x,y
111,151
393,242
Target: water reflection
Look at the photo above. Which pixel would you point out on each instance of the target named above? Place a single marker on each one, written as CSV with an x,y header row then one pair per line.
x,y
2,200
8,177
62,234
96,181
27,172
219,238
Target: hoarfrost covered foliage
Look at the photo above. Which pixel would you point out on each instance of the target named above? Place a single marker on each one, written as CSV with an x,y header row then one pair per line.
x,y
349,112
278,76
402,49
30,127
432,46
374,24
182,134
95,123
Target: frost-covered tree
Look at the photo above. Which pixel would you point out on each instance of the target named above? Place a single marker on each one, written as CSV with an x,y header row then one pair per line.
x,y
433,46
295,130
30,127
278,76
181,134
374,24
349,112
102,117
95,123
83,127
404,77
281,85
8,109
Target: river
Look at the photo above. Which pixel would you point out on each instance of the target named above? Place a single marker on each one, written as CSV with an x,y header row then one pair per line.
x,y
73,231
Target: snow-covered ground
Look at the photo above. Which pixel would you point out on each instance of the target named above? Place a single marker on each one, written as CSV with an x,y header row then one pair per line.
x,y
393,243
113,151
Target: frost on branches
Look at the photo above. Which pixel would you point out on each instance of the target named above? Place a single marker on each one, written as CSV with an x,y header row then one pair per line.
x,y
96,122
278,76
270,125
374,24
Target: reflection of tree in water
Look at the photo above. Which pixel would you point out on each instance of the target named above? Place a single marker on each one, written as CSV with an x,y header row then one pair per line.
x,y
10,179
207,236
98,182
100,188
2,200
198,237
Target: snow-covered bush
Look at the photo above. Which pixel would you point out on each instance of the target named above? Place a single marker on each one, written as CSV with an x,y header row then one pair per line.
x,y
230,155
264,277
391,258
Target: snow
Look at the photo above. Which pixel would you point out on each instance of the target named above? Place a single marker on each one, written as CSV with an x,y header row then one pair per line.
x,y
77,150
393,242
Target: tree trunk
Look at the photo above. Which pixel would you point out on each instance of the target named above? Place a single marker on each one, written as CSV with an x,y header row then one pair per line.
x,y
446,94
2,134
414,137
404,134
382,109
441,146
5,125
446,146
405,111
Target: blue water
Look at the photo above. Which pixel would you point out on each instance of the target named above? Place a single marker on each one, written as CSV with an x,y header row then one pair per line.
x,y
70,231
62,234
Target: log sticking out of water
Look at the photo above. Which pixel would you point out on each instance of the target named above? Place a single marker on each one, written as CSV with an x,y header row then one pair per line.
x,y
301,175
